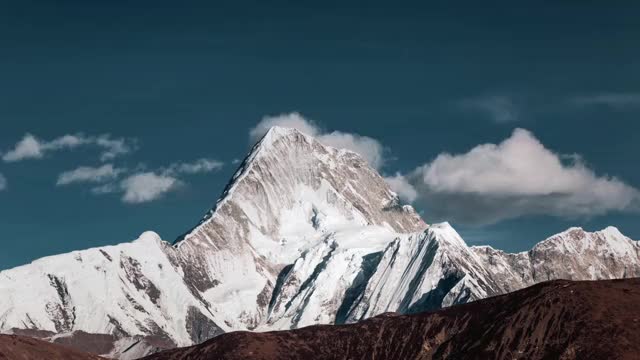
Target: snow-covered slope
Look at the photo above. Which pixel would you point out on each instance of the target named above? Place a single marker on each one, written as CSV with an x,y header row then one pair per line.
x,y
287,197
303,234
574,254
342,282
129,289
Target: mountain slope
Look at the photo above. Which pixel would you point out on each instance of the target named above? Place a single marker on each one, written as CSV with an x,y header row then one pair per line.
x,y
132,289
433,269
303,234
552,320
288,195
14,347
572,254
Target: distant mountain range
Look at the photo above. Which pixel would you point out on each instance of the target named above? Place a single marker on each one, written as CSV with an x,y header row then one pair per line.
x,y
303,234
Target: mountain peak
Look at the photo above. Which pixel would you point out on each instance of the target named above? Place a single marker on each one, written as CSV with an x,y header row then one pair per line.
x,y
278,136
149,237
613,231
286,139
291,189
276,132
578,234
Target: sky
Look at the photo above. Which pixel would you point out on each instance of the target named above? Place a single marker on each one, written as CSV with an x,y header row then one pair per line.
x,y
511,121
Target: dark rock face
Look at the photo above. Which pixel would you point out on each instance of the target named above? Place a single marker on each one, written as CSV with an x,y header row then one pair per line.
x,y
200,327
62,312
117,328
35,333
552,320
354,294
86,342
14,347
139,346
135,276
104,253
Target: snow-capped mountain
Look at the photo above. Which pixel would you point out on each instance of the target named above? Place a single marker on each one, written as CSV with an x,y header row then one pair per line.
x,y
342,281
303,234
289,195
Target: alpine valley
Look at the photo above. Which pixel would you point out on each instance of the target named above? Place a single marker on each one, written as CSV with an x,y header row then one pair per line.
x,y
303,234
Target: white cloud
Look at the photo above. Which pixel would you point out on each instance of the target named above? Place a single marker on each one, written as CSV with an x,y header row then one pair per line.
x,y
113,147
370,149
30,147
515,178
616,100
108,188
202,165
27,148
89,174
3,182
401,186
147,186
140,185
501,109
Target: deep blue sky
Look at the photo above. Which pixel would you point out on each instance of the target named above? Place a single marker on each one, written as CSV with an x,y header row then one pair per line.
x,y
190,80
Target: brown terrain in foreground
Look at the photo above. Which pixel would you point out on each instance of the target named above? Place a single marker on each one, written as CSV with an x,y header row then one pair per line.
x,y
552,320
14,347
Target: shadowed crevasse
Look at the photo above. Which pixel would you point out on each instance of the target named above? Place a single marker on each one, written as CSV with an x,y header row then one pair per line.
x,y
354,293
427,260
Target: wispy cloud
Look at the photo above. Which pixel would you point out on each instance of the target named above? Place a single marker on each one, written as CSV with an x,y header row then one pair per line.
x,y
614,100
31,147
139,185
108,188
152,185
370,149
499,108
202,165
401,185
147,186
87,174
136,185
517,177
3,182
113,147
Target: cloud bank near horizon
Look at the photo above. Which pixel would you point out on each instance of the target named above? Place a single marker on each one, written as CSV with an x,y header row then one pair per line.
x,y
515,178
